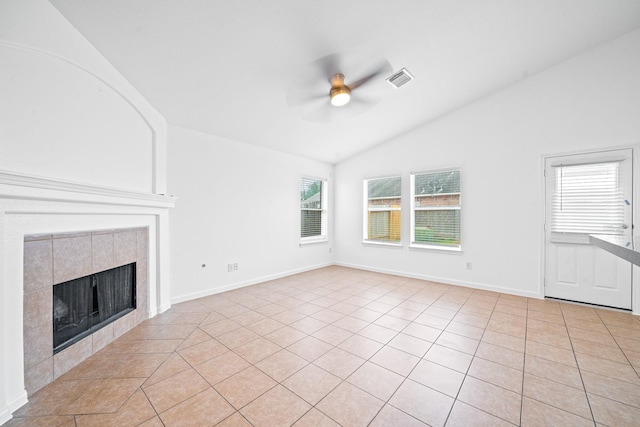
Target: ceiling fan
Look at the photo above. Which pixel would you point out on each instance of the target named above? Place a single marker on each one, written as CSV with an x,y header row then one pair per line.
x,y
338,86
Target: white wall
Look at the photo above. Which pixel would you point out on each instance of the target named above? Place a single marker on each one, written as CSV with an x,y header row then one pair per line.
x,y
67,116
65,112
237,203
589,102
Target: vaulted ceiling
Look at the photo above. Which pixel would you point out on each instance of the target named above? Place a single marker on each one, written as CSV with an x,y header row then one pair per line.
x,y
251,70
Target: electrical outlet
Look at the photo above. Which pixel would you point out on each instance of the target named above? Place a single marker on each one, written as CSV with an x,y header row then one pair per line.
x,y
469,266
229,268
235,266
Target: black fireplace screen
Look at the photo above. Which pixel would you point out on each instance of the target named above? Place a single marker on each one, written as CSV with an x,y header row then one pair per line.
x,y
82,306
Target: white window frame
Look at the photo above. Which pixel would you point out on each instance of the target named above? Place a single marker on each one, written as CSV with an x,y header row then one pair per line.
x,y
323,236
366,210
416,245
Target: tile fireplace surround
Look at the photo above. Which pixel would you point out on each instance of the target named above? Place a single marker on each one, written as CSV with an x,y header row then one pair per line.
x,y
53,259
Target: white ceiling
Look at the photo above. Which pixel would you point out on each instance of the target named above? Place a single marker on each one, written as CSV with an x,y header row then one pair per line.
x,y
225,67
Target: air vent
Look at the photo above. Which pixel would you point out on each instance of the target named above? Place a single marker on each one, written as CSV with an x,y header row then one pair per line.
x,y
400,78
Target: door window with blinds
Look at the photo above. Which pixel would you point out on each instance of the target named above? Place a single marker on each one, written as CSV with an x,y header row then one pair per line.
x,y
313,209
435,209
382,210
587,198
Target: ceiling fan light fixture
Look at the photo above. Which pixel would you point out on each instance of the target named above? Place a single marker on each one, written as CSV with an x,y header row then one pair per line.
x,y
340,96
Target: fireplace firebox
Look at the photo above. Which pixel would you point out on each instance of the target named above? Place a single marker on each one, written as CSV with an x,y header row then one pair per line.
x,y
87,304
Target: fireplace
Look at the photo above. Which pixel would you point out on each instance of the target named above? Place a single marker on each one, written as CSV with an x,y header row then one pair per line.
x,y
69,286
85,305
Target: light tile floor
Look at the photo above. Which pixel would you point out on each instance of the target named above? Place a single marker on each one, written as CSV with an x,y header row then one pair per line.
x,y
338,346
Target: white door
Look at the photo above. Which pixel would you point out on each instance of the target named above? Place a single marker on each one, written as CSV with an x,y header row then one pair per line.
x,y
588,194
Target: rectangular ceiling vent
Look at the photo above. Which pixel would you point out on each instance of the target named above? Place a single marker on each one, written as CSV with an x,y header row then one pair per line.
x,y
400,78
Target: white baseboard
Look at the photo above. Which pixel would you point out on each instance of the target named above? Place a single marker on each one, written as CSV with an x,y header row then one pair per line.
x,y
237,285
447,281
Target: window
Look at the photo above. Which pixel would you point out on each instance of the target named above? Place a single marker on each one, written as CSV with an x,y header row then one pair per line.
x,y
435,213
313,209
382,210
587,199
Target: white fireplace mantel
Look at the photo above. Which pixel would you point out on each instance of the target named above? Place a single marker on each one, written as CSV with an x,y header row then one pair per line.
x,y
36,205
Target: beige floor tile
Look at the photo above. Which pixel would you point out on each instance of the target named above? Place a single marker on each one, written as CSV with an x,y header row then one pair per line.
x,y
410,344
366,314
376,380
432,321
548,338
235,420
221,327
599,350
350,406
202,352
378,333
458,342
46,421
611,413
309,348
237,337
558,395
391,322
612,388
311,383
134,411
504,340
504,356
287,317
222,367
308,325
265,326
395,360
463,415
106,395
332,334
545,317
328,315
438,377
159,346
277,407
391,416
548,327
339,362
554,371
423,332
361,346
608,368
594,337
173,390
448,357
205,408
423,403
495,400
285,336
196,337
517,330
244,386
496,374
351,324
468,331
549,352
536,414
315,418
281,365
441,311
175,332
256,350
472,319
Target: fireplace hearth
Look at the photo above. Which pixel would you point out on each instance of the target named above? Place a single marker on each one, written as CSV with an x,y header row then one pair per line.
x,y
85,305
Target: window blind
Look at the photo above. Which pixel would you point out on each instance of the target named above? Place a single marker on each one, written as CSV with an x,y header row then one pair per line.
x,y
383,209
436,208
311,207
587,199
